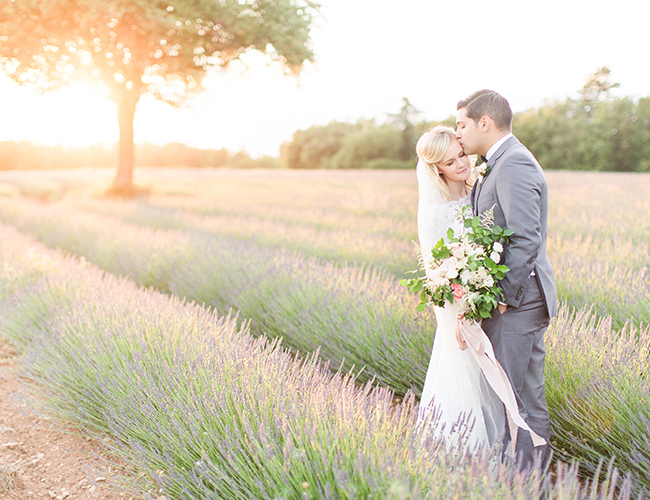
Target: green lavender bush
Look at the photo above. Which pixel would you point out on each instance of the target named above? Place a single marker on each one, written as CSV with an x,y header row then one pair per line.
x,y
197,408
357,317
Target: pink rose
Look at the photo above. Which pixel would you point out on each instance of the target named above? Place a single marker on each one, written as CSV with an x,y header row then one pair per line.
x,y
448,264
458,291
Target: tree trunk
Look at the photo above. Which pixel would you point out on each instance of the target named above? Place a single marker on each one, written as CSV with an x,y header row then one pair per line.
x,y
126,104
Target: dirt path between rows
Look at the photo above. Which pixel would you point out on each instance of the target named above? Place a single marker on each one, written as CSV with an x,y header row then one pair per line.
x,y
39,460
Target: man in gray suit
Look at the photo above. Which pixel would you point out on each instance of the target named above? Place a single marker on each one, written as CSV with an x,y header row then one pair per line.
x,y
515,187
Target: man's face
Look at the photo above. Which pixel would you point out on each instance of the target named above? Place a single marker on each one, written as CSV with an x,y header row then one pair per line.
x,y
468,133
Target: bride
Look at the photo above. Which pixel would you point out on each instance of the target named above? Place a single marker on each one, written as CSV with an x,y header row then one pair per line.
x,y
457,402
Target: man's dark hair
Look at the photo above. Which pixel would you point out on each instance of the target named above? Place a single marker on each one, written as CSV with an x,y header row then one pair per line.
x,y
490,103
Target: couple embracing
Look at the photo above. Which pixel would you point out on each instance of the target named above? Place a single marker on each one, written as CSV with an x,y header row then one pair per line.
x,y
514,187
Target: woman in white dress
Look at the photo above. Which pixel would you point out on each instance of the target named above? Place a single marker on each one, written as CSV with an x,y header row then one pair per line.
x,y
457,402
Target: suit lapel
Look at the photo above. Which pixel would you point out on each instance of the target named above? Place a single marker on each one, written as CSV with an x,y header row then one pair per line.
x,y
474,195
493,164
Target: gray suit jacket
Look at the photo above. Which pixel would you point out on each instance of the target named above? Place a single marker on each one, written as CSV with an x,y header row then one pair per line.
x,y
516,187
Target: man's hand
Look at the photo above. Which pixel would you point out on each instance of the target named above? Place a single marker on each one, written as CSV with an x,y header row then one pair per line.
x,y
502,308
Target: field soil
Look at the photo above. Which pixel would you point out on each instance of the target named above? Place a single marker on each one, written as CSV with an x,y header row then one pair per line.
x,y
38,459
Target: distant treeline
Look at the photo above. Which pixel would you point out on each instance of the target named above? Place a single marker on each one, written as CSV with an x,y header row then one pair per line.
x,y
609,135
594,132
612,134
364,144
26,155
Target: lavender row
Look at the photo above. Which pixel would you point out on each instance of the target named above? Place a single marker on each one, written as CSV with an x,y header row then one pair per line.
x,y
598,391
320,305
357,317
378,240
598,245
197,408
599,238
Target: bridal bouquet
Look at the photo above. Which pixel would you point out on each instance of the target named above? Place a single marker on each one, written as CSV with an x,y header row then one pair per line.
x,y
465,270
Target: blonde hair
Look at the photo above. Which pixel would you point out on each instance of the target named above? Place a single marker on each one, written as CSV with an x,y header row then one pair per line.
x,y
431,149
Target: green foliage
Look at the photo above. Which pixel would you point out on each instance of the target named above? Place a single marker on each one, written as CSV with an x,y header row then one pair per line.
x,y
368,144
311,305
194,407
464,255
364,144
145,46
404,122
134,46
603,133
316,146
344,145
596,132
596,374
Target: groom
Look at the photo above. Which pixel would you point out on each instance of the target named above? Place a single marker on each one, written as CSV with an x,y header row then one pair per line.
x,y
516,187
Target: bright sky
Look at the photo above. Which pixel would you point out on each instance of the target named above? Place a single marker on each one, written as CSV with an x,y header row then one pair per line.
x,y
370,53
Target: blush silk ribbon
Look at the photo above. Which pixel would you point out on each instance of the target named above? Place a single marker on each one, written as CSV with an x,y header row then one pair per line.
x,y
472,337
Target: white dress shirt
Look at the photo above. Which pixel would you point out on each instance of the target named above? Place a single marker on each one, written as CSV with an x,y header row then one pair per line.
x,y
497,145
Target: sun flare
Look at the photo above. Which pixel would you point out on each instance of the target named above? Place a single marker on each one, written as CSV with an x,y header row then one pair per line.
x,y
74,116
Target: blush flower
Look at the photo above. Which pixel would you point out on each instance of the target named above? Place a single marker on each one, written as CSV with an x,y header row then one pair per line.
x,y
458,252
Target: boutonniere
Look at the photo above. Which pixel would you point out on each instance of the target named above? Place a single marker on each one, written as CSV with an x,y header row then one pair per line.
x,y
482,168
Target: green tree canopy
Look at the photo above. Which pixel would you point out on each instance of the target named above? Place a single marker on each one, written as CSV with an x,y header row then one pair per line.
x,y
363,144
404,122
316,146
145,46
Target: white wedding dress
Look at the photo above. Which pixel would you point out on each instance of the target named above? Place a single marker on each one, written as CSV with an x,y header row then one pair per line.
x,y
457,402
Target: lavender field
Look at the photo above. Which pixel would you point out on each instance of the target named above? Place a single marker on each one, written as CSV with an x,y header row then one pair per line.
x,y
312,258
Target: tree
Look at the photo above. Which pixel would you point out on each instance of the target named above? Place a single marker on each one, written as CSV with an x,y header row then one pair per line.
x,y
597,87
550,132
317,146
145,46
404,122
372,146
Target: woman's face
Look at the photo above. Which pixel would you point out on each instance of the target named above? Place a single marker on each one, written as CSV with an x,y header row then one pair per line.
x,y
455,166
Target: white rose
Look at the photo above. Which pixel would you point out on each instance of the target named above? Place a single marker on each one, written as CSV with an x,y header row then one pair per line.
x,y
465,276
497,247
495,257
452,273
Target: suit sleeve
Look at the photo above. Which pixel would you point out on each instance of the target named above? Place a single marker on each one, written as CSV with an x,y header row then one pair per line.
x,y
519,193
